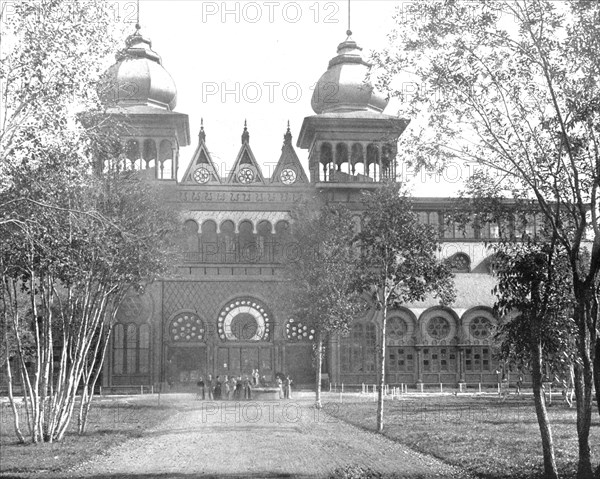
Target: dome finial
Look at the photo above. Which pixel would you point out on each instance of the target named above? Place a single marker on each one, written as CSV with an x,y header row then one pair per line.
x,y
349,31
202,134
287,138
245,134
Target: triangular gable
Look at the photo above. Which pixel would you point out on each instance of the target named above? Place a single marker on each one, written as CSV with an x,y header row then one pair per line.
x,y
246,170
289,170
201,170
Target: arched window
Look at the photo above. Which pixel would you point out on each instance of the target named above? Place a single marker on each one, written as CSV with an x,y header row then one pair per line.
x,y
358,349
372,160
149,155
132,152
131,344
228,242
341,155
208,238
357,156
118,349
325,158
190,228
144,349
282,241
264,243
247,242
165,160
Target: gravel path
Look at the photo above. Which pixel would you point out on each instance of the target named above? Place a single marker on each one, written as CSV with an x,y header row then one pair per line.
x,y
257,440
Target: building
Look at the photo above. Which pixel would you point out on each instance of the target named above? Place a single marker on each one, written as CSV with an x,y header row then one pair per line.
x,y
222,314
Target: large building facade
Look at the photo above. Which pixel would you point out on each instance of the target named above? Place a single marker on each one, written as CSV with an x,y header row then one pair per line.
x,y
223,313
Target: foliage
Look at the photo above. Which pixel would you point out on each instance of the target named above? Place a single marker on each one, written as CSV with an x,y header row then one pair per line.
x,y
512,88
522,270
319,277
50,67
72,244
323,265
398,262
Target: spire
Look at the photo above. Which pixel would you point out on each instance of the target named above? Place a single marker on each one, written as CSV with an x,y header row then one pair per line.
x,y
287,138
349,31
245,134
202,134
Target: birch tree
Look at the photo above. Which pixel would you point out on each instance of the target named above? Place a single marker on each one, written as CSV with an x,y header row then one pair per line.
x,y
399,263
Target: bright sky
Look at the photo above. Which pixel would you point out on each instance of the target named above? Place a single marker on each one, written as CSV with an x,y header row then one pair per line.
x,y
254,60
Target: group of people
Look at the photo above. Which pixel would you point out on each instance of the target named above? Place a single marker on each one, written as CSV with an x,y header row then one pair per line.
x,y
225,388
285,387
234,388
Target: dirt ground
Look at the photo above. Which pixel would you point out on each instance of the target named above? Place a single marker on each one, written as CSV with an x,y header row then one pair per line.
x,y
256,440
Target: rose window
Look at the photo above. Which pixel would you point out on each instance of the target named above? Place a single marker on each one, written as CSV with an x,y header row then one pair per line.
x,y
288,176
296,331
186,327
438,327
245,175
397,328
201,175
480,327
244,320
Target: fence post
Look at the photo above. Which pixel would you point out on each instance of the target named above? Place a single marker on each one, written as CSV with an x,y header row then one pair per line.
x,y
479,387
441,388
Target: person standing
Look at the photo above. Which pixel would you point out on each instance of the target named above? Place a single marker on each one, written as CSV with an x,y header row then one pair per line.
x,y
519,384
287,387
247,388
217,392
232,383
209,386
239,389
225,388
279,383
201,394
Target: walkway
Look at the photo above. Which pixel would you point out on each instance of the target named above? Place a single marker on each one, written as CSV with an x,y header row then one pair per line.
x,y
257,440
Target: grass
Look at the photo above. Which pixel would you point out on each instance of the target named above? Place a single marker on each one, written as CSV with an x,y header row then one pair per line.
x,y
478,433
111,422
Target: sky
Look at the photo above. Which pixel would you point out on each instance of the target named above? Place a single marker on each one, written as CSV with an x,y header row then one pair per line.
x,y
253,60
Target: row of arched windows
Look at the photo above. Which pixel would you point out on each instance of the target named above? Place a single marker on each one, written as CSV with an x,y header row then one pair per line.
x,y
148,153
131,349
224,243
354,161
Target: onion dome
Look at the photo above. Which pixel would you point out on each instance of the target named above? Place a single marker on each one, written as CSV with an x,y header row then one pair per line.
x,y
344,87
138,77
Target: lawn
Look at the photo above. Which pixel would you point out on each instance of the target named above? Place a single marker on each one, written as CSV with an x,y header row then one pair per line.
x,y
112,421
478,433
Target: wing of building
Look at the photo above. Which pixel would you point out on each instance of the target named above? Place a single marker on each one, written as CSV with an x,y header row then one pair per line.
x,y
222,315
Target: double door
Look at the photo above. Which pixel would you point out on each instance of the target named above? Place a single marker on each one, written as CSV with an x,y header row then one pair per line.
x,y
241,360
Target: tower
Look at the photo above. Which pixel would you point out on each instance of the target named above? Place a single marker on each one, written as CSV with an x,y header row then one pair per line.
x,y
350,139
140,96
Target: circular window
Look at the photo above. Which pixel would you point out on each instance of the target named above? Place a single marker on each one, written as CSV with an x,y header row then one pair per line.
x,y
201,175
186,327
288,176
480,327
244,320
438,327
397,328
296,331
245,175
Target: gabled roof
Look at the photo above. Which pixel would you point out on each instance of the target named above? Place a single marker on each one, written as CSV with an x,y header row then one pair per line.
x,y
246,170
289,170
201,170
